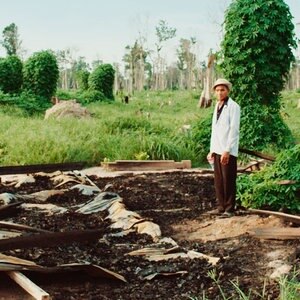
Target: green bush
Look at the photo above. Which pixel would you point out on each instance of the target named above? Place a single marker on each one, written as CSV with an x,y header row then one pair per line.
x,y
11,76
41,74
200,137
30,104
82,77
266,188
65,95
102,80
90,96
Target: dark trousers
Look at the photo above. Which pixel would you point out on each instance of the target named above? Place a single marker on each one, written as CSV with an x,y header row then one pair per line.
x,y
225,183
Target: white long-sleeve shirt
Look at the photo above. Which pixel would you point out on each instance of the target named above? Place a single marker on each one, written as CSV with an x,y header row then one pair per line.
x,y
225,130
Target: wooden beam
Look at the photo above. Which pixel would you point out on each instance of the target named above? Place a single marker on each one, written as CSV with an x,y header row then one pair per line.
x,y
52,239
47,168
138,165
276,233
258,154
34,290
287,217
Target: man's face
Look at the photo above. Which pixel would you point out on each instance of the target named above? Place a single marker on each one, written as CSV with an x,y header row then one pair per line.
x,y
221,92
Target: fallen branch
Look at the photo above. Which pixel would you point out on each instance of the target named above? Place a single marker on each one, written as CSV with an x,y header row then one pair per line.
x,y
30,287
258,154
21,227
52,239
9,209
287,217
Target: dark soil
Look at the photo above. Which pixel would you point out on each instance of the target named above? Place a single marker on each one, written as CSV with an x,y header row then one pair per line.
x,y
158,197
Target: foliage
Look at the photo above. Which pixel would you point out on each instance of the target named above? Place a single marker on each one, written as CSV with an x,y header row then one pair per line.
x,y
82,77
102,80
30,104
257,54
152,123
164,32
90,96
11,41
11,76
200,136
41,74
266,188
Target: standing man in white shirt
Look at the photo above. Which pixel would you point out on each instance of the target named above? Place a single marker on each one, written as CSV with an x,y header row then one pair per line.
x,y
224,147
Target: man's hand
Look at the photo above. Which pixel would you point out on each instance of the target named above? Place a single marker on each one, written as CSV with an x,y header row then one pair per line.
x,y
225,158
209,156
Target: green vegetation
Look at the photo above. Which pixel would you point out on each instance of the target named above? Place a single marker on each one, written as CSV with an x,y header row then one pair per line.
x,y
152,124
102,80
41,74
289,289
269,187
258,69
11,76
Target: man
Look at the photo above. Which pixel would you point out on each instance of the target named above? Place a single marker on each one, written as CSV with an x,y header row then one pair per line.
x,y
224,147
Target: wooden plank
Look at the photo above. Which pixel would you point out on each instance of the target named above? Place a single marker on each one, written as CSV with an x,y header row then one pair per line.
x,y
276,233
52,239
47,168
287,217
137,165
34,290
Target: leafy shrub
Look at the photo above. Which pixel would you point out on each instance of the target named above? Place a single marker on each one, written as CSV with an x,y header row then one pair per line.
x,y
90,96
65,95
41,74
266,188
200,137
26,101
102,79
11,76
82,77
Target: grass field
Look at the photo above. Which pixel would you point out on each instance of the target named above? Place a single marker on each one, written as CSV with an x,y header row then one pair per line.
x,y
150,126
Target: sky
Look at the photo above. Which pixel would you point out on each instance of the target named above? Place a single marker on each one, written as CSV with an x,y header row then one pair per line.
x,y
101,29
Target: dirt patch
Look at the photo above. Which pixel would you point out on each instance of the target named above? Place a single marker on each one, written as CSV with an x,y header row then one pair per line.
x,y
178,202
222,228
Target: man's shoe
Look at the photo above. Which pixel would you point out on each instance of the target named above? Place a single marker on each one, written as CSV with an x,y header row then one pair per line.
x,y
227,214
215,212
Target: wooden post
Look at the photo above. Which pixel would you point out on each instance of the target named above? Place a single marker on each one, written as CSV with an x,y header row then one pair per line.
x,y
30,287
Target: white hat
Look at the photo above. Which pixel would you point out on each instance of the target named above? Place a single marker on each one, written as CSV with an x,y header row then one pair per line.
x,y
222,81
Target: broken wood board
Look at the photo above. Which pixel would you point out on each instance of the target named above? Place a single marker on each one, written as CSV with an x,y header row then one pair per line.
x,y
35,291
286,217
137,165
276,233
11,263
158,254
52,239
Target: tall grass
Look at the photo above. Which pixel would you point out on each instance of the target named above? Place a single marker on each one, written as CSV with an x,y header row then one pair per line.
x,y
151,124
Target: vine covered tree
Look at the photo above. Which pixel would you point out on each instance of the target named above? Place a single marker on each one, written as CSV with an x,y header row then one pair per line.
x,y
11,74
11,40
102,80
41,74
257,55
